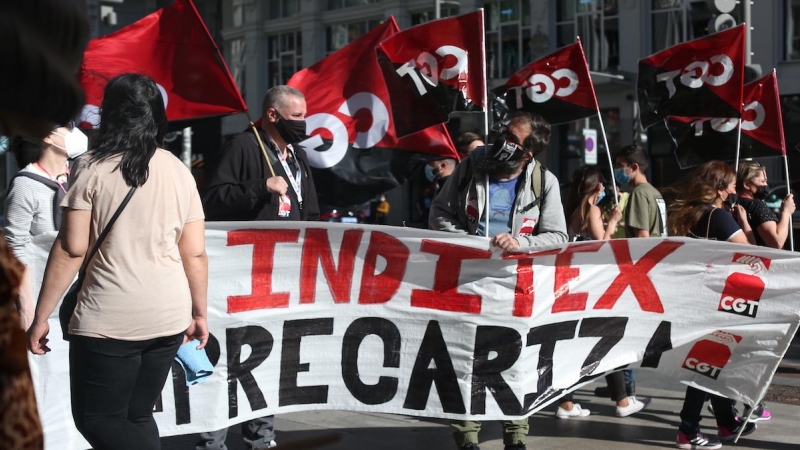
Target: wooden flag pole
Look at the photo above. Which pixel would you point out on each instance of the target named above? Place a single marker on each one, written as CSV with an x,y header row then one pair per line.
x,y
260,143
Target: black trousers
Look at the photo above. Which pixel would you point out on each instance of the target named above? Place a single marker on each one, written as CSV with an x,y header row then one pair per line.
x,y
693,407
114,385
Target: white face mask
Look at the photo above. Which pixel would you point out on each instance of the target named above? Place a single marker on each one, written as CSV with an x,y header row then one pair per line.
x,y
75,143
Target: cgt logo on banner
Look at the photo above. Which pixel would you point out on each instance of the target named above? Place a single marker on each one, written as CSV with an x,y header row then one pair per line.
x,y
709,356
314,316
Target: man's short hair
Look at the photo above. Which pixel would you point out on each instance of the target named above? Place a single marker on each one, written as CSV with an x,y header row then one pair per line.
x,y
464,140
276,97
540,130
635,153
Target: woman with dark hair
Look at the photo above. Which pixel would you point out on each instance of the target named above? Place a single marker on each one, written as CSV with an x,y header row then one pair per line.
x,y
584,217
585,222
145,288
699,209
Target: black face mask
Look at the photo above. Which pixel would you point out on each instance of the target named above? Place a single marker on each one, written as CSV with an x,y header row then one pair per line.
x,y
291,131
731,200
761,193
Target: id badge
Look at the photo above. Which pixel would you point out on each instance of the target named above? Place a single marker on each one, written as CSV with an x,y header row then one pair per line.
x,y
284,206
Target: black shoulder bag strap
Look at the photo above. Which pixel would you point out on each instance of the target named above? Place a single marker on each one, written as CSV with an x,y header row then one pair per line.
x,y
105,231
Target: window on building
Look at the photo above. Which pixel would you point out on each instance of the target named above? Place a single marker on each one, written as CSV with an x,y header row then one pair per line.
x,y
508,37
283,8
336,4
446,10
237,62
284,57
339,35
596,22
676,21
237,13
793,30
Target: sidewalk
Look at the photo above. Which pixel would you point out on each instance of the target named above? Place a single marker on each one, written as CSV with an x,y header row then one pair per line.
x,y
656,427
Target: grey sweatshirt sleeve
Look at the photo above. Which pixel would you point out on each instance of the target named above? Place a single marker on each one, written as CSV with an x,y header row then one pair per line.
x,y
443,215
552,224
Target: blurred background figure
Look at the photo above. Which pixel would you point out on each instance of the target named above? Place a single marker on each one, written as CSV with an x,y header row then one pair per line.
x,y
34,195
42,45
467,142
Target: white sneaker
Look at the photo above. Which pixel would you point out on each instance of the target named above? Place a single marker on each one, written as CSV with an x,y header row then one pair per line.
x,y
576,411
272,443
633,407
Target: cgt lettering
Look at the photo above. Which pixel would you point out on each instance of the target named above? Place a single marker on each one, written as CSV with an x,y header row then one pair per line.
x,y
702,368
741,294
543,87
716,72
429,67
739,306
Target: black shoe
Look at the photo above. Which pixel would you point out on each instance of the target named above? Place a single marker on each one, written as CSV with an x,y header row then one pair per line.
x,y
518,446
469,446
602,391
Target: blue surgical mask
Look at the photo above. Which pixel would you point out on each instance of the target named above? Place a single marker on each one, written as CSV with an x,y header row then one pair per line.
x,y
600,197
430,173
621,176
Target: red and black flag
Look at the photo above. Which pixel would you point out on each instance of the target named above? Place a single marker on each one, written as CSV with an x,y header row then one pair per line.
x,y
702,140
557,87
433,69
353,149
173,47
699,78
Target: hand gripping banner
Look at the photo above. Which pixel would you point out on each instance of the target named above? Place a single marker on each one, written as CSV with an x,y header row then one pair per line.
x,y
316,316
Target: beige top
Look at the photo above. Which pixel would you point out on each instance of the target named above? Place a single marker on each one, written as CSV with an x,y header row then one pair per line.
x,y
135,287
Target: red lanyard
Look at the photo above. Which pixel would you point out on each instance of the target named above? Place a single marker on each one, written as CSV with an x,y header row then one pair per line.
x,y
61,185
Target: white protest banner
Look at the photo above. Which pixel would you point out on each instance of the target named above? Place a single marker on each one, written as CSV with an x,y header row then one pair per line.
x,y
314,316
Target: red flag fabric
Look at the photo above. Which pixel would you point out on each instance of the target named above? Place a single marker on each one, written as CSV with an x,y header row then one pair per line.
x,y
433,69
699,78
173,47
702,140
353,149
558,87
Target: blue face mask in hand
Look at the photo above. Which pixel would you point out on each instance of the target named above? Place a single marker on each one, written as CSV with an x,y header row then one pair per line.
x,y
431,173
621,176
600,197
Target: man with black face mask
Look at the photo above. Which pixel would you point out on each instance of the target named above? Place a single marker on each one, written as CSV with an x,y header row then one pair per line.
x,y
242,187
502,192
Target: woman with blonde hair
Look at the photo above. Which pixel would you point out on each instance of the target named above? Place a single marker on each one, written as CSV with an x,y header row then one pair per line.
x,y
752,188
700,209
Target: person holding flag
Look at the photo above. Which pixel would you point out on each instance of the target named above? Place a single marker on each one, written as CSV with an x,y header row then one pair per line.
x,y
752,189
251,182
504,194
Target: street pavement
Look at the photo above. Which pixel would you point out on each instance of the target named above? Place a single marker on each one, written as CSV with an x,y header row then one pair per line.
x,y
655,427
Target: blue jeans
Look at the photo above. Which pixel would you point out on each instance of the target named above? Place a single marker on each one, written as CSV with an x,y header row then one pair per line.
x,y
114,386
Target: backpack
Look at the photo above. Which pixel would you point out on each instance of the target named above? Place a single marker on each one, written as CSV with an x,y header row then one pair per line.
x,y
59,193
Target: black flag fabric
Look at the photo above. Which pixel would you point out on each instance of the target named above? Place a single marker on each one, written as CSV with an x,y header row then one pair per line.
x,y
701,140
699,78
353,150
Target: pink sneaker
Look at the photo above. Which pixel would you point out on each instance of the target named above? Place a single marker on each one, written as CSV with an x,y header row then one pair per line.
x,y
696,441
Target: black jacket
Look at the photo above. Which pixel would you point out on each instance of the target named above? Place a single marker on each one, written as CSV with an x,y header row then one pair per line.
x,y
237,189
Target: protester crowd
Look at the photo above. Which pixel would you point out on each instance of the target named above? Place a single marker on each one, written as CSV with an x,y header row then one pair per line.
x,y
131,224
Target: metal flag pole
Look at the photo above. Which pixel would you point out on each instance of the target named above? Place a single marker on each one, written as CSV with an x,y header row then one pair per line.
x,y
738,145
788,191
485,81
608,154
